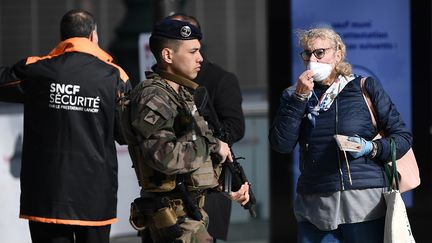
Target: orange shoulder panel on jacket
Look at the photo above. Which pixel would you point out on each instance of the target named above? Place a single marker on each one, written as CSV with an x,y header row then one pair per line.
x,y
81,44
31,60
123,74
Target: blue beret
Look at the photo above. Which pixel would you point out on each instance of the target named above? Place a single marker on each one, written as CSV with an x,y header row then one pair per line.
x,y
176,29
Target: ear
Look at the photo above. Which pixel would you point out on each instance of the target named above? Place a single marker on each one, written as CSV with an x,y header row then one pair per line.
x,y
167,55
94,37
338,56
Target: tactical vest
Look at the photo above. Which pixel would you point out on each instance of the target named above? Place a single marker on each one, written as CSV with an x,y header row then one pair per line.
x,y
151,180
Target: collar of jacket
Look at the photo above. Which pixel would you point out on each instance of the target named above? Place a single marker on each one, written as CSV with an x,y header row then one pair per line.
x,y
80,44
76,44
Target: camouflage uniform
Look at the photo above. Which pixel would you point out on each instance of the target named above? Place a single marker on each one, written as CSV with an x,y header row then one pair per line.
x,y
170,142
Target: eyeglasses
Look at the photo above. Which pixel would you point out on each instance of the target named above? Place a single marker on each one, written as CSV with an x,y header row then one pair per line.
x,y
318,53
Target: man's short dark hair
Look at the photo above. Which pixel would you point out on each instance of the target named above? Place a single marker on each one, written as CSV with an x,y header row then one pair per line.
x,y
158,43
77,23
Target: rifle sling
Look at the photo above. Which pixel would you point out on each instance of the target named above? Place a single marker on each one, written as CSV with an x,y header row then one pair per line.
x,y
177,79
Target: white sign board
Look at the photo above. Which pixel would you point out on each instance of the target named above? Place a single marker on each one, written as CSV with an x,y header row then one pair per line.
x,y
146,58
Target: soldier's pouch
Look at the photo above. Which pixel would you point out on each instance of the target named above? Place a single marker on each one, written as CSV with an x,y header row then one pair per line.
x,y
144,213
141,209
206,176
166,225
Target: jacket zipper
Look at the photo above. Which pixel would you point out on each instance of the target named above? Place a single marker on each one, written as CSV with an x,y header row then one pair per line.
x,y
338,153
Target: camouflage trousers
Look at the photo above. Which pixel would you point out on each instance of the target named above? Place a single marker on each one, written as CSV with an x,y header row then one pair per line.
x,y
193,232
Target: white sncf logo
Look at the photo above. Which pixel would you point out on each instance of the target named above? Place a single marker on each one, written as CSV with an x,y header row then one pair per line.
x,y
185,31
67,97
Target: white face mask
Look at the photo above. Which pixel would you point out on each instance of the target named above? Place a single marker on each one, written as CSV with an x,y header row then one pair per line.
x,y
321,70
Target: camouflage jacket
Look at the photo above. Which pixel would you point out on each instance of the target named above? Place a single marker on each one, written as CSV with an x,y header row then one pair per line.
x,y
168,135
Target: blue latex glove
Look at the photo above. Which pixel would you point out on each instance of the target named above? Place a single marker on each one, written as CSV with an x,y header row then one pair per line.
x,y
366,146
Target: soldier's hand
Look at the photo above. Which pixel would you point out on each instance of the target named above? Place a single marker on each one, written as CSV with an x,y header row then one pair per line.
x,y
242,195
224,152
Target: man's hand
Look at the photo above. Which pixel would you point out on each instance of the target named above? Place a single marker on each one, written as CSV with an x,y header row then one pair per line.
x,y
242,195
224,152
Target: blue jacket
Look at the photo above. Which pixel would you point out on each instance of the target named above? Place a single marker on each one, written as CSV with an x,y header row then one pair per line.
x,y
323,166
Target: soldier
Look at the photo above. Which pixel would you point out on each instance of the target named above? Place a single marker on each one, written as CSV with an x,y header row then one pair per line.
x,y
227,123
170,142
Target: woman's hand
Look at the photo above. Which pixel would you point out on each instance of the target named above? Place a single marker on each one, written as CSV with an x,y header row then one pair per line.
x,y
305,83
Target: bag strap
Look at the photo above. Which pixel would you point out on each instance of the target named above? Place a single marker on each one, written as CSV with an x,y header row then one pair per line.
x,y
391,172
368,100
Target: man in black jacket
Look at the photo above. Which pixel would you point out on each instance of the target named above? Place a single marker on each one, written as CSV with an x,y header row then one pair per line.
x,y
226,98
69,161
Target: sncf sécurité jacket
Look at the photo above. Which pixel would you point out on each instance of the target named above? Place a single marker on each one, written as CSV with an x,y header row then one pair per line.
x,y
69,163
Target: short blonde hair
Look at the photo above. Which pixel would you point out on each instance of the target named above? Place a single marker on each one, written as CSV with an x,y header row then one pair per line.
x,y
307,36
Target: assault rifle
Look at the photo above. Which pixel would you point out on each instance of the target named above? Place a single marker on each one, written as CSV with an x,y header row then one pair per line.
x,y
232,171
234,177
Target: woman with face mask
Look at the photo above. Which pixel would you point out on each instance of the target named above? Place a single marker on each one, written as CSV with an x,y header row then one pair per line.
x,y
339,194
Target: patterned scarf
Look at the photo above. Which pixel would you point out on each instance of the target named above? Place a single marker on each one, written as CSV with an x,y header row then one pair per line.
x,y
328,97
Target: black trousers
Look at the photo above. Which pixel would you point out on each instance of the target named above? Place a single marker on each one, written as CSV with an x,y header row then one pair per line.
x,y
61,233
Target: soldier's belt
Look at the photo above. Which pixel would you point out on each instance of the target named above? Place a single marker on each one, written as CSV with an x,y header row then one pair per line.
x,y
144,213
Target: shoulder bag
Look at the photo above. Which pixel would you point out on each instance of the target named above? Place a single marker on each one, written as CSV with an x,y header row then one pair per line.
x,y
409,175
397,228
